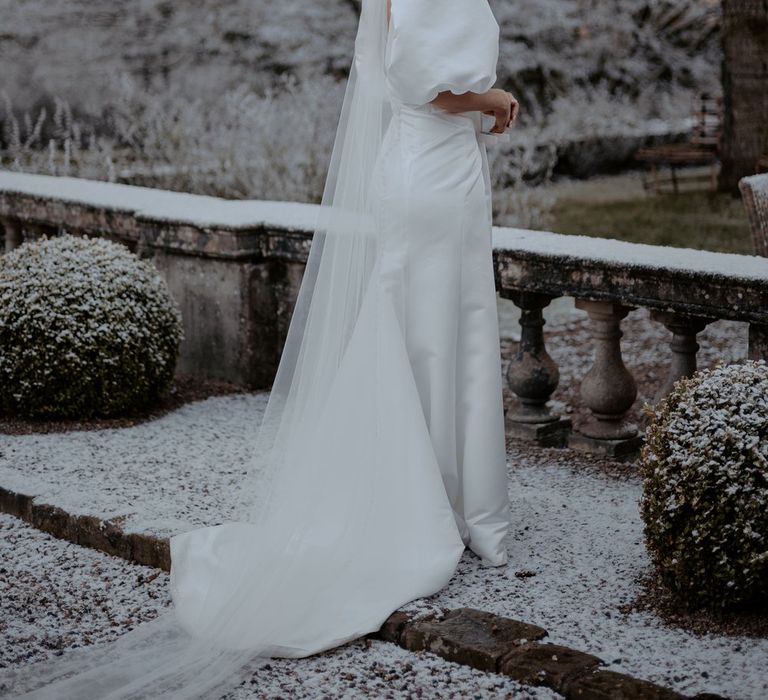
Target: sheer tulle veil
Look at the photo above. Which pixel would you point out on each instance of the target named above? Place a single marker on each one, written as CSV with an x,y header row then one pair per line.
x,y
205,643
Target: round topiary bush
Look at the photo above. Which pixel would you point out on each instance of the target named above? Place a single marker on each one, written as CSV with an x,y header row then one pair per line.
x,y
86,329
705,480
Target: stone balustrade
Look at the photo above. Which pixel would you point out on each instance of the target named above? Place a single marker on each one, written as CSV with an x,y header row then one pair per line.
x,y
683,289
235,268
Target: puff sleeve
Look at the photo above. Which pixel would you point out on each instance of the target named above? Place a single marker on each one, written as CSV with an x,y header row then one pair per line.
x,y
438,45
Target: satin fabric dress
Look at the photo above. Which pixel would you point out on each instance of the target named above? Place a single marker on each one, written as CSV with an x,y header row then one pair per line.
x,y
406,465
437,267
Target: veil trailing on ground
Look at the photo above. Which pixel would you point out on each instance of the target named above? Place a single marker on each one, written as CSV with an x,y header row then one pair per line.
x,y
218,626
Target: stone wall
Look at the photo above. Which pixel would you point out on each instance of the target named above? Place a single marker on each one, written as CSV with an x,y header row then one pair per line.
x,y
233,267
236,268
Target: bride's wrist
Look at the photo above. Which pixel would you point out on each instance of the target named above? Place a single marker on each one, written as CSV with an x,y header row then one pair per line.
x,y
494,99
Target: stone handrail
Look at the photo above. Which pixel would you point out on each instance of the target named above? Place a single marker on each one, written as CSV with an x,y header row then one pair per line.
x,y
235,268
683,289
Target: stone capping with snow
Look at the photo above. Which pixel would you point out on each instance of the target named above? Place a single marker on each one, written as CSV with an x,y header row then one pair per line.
x,y
699,282
235,268
147,218
210,226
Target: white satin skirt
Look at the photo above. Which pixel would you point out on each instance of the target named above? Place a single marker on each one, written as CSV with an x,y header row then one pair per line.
x,y
406,464
437,268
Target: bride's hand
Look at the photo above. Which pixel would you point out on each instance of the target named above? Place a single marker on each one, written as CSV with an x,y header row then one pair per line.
x,y
504,107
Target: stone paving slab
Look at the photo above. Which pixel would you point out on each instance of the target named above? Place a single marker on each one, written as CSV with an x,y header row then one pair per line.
x,y
471,637
551,665
497,644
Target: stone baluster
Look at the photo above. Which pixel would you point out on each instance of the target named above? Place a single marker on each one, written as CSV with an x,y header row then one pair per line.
x,y
143,249
608,389
684,347
35,231
533,375
758,341
13,233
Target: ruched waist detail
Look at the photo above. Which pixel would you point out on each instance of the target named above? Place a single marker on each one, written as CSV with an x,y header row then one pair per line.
x,y
432,123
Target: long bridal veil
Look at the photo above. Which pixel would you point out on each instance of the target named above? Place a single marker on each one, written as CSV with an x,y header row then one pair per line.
x,y
225,618
338,267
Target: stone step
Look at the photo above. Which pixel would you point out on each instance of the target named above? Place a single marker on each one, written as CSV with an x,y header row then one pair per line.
x,y
492,643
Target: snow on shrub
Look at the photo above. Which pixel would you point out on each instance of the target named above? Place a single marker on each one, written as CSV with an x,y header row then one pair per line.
x,y
705,502
86,329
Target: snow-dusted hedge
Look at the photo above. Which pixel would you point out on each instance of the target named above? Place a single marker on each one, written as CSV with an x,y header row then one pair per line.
x,y
705,503
86,329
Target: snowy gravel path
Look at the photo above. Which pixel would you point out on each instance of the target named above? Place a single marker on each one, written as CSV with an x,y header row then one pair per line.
x,y
579,533
164,476
576,549
576,528
54,596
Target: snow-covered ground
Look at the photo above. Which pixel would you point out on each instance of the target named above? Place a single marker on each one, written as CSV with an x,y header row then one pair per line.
x,y
576,528
55,596
578,531
163,476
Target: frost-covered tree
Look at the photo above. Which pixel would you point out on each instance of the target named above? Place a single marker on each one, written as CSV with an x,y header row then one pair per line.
x,y
207,100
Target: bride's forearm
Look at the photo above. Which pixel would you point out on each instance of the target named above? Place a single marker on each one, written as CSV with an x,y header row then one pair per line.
x,y
466,102
499,103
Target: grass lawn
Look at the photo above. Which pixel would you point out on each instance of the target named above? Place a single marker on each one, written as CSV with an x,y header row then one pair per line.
x,y
688,220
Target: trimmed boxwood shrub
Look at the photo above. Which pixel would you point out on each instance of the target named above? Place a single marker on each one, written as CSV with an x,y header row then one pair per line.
x,y
86,329
705,474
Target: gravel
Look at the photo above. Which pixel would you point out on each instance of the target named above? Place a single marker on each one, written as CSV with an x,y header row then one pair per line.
x,y
576,562
163,477
373,669
55,596
577,559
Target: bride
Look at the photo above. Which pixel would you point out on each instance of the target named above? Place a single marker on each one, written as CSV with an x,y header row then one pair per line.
x,y
381,454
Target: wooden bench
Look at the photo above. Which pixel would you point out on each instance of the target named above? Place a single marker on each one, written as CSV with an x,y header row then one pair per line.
x,y
702,149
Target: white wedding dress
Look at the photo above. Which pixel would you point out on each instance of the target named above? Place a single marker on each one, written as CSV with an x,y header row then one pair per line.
x,y
386,452
411,438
